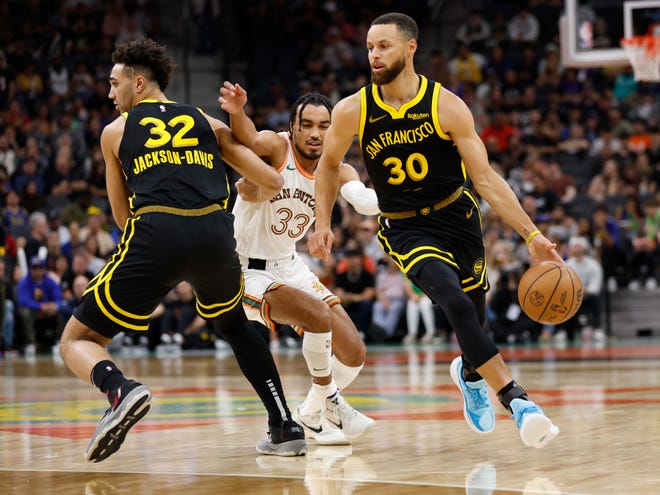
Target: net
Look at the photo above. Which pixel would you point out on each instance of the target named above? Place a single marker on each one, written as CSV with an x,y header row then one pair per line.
x,y
644,55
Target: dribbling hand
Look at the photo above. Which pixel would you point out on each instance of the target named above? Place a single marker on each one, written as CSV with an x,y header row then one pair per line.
x,y
542,249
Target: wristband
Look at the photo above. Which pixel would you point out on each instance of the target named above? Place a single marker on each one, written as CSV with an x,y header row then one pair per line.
x,y
531,236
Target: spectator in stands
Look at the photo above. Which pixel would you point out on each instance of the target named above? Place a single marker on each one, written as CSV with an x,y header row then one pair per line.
x,y
390,301
500,129
79,266
523,26
94,227
39,299
7,308
645,248
507,322
366,236
474,32
606,183
8,157
418,304
35,244
561,184
14,216
588,317
71,298
356,288
95,261
467,66
609,243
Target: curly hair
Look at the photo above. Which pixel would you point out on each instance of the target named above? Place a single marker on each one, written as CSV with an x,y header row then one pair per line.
x,y
145,57
315,99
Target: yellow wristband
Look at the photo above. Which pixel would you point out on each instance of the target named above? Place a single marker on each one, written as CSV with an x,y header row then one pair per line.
x,y
531,236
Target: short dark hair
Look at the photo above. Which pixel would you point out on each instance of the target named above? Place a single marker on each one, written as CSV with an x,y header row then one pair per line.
x,y
316,99
145,57
405,24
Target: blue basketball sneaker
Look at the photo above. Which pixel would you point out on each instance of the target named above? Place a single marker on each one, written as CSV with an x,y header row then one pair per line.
x,y
477,408
536,430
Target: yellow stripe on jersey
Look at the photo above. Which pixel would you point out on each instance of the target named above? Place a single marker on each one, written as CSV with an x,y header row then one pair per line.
x,y
400,113
363,112
434,113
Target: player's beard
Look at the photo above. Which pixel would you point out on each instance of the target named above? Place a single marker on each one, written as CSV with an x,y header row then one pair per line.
x,y
308,155
388,75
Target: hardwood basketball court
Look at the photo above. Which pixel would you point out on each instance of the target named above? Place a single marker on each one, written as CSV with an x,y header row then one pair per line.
x,y
199,436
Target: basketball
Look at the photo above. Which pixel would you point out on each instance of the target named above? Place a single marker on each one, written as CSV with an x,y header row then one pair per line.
x,y
550,292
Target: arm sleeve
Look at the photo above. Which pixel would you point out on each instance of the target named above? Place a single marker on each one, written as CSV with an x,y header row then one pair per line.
x,y
363,199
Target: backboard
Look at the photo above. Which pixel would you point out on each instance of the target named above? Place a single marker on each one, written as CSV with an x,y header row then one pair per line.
x,y
590,30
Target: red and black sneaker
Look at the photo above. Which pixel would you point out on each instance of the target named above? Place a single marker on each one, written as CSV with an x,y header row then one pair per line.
x,y
129,404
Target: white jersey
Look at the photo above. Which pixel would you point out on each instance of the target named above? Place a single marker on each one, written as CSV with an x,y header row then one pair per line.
x,y
270,229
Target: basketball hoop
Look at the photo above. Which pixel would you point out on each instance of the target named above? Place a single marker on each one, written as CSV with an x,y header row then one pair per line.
x,y
644,55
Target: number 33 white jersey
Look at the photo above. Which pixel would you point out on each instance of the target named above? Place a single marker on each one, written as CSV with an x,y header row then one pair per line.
x,y
270,229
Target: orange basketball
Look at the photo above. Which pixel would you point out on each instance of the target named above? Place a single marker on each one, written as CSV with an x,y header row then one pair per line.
x,y
550,292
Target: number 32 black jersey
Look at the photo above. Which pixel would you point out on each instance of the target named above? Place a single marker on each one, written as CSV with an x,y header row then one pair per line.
x,y
170,156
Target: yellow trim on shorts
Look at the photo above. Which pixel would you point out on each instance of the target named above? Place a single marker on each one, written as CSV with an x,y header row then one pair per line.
x,y
224,307
105,275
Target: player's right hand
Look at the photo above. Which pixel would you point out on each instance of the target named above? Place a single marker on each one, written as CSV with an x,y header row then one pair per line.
x,y
232,97
320,243
542,249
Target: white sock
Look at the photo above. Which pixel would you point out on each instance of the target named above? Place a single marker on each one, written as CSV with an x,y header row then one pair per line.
x,y
315,400
342,374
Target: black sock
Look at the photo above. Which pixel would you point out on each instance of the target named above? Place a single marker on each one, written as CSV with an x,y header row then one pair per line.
x,y
107,377
470,373
509,392
256,362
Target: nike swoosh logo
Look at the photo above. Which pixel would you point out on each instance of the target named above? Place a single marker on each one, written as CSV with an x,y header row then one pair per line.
x,y
315,430
373,119
320,369
290,167
338,425
469,213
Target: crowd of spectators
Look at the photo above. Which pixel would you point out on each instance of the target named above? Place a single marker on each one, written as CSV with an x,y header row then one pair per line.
x,y
580,147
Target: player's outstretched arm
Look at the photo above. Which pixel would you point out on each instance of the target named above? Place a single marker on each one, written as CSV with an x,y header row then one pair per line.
x,y
266,144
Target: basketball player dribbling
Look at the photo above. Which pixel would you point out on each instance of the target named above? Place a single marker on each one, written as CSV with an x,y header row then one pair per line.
x,y
420,145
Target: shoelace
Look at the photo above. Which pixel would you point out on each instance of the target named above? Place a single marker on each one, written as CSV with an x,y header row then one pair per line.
x,y
478,397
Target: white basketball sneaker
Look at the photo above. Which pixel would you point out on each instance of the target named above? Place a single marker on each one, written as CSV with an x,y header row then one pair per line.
x,y
318,428
339,413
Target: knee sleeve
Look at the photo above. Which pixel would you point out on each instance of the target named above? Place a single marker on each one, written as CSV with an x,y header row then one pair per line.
x,y
317,349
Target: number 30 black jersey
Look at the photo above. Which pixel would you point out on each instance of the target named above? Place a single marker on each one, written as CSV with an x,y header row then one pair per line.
x,y
412,162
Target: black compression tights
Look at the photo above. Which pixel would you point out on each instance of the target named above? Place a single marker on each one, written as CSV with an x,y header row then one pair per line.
x,y
466,312
256,362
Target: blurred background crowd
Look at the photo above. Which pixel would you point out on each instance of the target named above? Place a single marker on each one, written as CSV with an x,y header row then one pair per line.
x,y
580,147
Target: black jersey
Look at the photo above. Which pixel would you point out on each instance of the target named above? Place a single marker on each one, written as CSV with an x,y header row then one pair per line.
x,y
170,156
412,162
